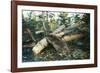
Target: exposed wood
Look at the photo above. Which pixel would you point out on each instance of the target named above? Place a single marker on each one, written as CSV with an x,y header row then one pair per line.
x,y
40,46
60,34
72,37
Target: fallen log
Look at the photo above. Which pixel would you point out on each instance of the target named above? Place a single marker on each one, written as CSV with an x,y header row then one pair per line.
x,y
58,32
61,42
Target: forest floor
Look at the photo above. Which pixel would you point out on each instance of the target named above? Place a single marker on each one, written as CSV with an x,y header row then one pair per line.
x,y
50,54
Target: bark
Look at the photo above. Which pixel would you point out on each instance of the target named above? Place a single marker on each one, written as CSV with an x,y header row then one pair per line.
x,y
30,34
59,29
59,44
67,30
73,26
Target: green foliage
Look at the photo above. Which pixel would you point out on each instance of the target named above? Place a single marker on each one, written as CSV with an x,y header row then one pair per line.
x,y
64,20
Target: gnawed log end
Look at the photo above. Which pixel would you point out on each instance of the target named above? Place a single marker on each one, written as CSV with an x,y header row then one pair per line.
x,y
40,46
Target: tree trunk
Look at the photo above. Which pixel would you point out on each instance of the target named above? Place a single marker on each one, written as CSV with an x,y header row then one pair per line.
x,y
58,44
